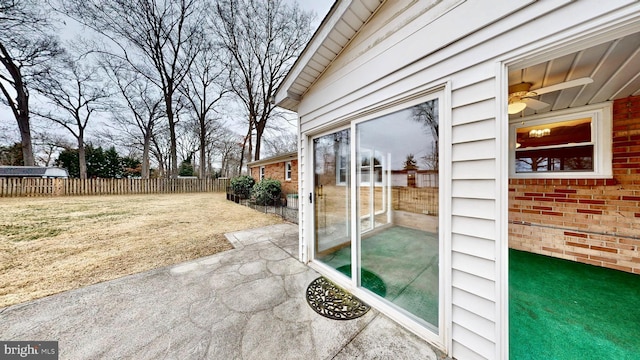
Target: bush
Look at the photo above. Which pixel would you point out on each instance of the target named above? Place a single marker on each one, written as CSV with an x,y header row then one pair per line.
x,y
267,192
242,185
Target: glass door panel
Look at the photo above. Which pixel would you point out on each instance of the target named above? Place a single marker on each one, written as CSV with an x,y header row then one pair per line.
x,y
331,199
397,201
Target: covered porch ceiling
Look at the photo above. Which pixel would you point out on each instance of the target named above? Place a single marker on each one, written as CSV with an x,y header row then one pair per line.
x,y
614,67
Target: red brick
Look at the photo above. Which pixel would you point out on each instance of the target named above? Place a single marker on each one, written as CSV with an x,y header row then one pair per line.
x,y
556,195
533,194
569,233
601,258
589,201
565,191
587,211
588,261
552,249
600,248
542,208
567,200
571,243
618,267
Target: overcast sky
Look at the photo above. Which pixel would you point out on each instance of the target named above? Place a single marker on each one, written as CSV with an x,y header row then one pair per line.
x,y
8,126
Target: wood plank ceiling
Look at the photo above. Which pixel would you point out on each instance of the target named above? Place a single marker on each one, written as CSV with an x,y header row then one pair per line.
x,y
614,67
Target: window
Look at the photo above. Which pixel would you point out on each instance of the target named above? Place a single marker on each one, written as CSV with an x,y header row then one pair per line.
x,y
261,172
287,171
342,173
365,168
574,143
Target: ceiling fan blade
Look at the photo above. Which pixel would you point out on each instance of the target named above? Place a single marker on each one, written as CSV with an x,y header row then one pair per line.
x,y
535,104
563,85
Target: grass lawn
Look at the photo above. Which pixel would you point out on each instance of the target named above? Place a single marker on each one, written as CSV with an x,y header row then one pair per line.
x,y
49,245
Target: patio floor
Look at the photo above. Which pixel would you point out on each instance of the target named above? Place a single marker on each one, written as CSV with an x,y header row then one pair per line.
x,y
246,303
560,309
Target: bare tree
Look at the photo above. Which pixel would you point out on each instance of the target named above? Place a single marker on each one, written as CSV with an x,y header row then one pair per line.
x,y
159,39
281,143
74,94
228,147
26,47
160,148
204,89
47,145
261,40
140,109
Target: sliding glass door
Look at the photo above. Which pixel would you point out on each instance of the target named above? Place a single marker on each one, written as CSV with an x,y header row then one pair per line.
x,y
330,198
397,202
389,235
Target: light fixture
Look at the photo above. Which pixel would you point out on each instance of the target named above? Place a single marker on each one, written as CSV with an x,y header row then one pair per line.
x,y
516,93
538,133
516,106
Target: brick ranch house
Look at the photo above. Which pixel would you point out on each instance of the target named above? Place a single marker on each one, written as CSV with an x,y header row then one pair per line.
x,y
593,221
283,167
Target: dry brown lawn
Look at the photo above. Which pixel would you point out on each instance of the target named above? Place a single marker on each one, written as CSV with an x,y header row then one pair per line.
x,y
49,245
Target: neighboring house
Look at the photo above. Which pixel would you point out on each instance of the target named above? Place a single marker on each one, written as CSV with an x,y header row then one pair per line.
x,y
529,109
283,167
32,172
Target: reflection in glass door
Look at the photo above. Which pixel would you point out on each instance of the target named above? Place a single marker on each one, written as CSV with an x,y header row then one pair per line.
x,y
397,200
393,176
331,198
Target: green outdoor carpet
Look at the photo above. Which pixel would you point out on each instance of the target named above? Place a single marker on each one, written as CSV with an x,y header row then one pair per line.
x,y
559,309
369,280
401,265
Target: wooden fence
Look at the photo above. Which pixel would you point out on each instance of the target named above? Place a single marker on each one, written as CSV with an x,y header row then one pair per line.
x,y
70,187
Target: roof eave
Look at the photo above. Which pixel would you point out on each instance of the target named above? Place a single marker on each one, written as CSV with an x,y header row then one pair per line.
x,y
291,91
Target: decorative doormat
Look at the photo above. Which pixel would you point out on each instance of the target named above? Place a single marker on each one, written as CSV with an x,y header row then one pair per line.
x,y
330,301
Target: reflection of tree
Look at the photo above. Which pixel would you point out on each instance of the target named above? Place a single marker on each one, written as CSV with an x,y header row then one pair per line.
x,y
431,159
367,162
427,114
331,151
578,163
532,164
410,163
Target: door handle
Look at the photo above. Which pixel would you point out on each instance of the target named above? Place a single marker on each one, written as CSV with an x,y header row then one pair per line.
x,y
310,198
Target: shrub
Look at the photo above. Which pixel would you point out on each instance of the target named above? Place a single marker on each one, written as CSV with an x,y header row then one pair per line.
x,y
242,185
267,192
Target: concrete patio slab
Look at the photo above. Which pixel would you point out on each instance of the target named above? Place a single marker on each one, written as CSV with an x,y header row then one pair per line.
x,y
246,303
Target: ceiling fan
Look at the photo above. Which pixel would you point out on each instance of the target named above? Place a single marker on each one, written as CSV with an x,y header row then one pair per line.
x,y
521,96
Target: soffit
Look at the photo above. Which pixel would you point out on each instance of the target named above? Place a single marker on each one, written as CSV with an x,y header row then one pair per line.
x,y
338,28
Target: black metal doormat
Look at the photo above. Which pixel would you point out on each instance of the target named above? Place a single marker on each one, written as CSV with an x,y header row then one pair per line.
x,y
332,302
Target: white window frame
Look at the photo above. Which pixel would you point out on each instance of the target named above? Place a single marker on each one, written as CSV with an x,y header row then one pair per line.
x,y
601,120
372,174
261,172
340,167
287,171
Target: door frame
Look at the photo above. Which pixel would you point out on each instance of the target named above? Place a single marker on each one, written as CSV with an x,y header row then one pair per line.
x,y
441,91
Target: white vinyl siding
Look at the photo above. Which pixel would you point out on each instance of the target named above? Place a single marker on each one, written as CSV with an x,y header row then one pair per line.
x,y
396,55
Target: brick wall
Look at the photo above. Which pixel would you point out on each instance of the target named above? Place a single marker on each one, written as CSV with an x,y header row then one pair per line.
x,y
276,171
593,221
